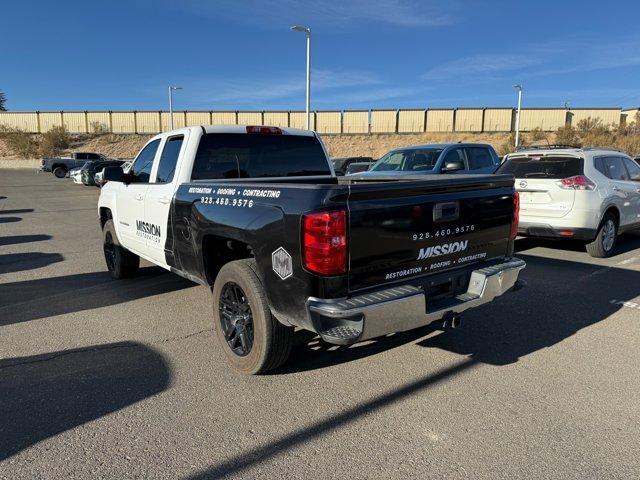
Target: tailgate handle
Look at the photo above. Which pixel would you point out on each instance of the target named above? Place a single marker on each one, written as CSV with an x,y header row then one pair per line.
x,y
446,212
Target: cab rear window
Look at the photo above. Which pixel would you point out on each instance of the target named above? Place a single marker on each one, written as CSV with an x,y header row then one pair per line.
x,y
232,155
542,167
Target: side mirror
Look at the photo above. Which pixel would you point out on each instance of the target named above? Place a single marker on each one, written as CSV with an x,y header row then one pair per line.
x,y
452,167
115,174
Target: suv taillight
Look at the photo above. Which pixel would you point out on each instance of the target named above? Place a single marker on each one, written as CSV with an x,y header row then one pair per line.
x,y
579,182
324,242
516,216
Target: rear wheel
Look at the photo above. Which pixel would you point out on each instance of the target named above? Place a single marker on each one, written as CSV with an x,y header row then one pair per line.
x,y
251,337
605,241
60,172
120,262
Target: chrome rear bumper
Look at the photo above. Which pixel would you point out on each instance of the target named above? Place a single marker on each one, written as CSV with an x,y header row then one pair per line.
x,y
402,308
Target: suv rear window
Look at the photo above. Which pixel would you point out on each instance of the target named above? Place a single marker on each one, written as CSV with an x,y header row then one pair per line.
x,y
237,155
542,167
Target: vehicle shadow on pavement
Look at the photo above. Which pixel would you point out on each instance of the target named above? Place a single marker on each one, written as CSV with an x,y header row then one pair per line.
x,y
625,243
561,298
18,262
18,239
14,212
543,314
10,219
45,395
48,297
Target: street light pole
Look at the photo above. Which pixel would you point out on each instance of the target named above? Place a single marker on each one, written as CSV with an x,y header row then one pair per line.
x,y
307,31
171,89
519,88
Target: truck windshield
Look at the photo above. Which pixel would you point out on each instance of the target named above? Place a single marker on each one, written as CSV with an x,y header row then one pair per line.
x,y
410,160
542,167
234,155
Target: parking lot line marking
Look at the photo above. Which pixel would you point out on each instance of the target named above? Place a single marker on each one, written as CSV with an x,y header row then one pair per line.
x,y
606,269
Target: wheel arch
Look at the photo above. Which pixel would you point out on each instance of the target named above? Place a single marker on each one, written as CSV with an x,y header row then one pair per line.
x,y
217,250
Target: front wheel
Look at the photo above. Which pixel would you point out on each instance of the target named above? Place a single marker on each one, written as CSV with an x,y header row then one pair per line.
x,y
251,337
60,172
120,262
605,241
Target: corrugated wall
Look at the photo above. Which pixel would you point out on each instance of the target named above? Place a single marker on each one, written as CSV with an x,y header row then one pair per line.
x,y
276,119
468,120
148,122
545,119
49,120
328,122
299,120
74,122
355,121
123,122
98,121
198,118
440,120
411,121
223,118
249,118
383,121
630,115
498,119
607,116
27,121
178,120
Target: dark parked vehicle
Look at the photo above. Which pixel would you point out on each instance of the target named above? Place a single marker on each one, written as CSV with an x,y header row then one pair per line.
x,y
358,167
437,158
255,214
340,164
60,166
89,170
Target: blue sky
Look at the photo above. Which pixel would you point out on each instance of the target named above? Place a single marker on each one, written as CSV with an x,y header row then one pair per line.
x,y
240,54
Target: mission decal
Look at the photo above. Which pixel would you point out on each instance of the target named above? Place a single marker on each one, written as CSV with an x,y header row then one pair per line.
x,y
148,231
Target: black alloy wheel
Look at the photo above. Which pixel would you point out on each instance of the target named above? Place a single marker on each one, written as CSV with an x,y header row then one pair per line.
x,y
236,319
109,251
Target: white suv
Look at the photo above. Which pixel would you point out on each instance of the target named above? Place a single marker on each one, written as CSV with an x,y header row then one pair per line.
x,y
585,194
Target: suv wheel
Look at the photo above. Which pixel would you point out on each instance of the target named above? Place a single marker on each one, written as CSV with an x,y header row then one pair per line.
x,y
251,337
120,262
605,242
60,172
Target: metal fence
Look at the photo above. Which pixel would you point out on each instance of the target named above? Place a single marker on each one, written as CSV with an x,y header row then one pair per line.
x,y
325,122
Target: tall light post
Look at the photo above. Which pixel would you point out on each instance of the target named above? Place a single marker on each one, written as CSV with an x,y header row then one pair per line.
x,y
171,90
519,88
307,31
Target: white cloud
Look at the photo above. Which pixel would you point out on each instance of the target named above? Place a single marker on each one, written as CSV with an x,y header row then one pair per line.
x,y
481,64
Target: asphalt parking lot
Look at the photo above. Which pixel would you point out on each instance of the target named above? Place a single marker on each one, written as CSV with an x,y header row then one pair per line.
x,y
103,378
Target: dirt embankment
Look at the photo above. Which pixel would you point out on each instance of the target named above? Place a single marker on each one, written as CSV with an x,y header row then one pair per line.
x,y
127,146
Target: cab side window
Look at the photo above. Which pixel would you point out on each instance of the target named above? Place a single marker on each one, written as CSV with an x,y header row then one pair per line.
x,y
169,159
479,158
632,168
455,155
141,168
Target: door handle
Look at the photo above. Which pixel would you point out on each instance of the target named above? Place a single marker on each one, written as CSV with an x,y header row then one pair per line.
x,y
139,196
164,200
616,189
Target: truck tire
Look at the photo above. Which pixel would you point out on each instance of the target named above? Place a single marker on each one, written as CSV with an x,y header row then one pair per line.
x,y
60,172
252,339
604,243
120,261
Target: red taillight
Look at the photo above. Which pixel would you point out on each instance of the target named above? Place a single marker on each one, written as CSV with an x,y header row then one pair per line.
x,y
516,216
324,242
264,130
579,182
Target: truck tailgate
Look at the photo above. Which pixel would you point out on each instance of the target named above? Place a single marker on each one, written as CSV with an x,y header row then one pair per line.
x,y
404,228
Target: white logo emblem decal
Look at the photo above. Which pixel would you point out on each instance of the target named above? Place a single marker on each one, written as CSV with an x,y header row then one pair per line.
x,y
523,184
281,263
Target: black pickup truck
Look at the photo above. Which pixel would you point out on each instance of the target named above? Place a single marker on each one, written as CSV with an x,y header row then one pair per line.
x,y
258,215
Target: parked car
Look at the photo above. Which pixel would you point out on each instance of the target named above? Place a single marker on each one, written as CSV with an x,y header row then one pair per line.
x,y
60,166
89,170
75,174
358,167
637,159
99,180
437,158
255,214
340,164
591,195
